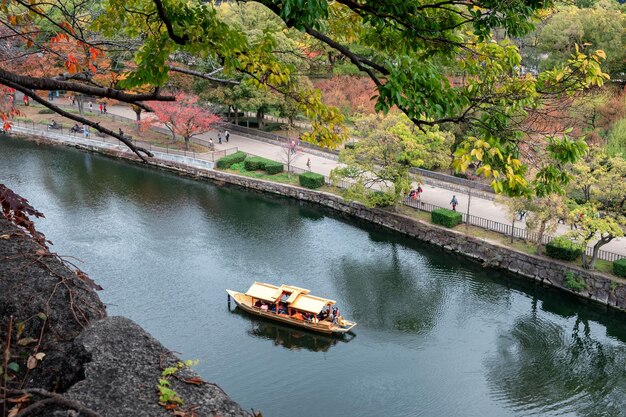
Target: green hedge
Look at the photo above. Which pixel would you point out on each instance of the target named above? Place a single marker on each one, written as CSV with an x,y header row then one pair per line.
x,y
619,267
272,167
562,247
311,180
445,217
229,160
255,162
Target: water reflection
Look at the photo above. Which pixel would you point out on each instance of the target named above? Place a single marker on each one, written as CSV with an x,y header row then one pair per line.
x,y
399,294
289,337
543,365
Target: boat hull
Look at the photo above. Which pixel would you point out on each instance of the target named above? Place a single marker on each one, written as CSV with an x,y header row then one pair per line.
x,y
244,302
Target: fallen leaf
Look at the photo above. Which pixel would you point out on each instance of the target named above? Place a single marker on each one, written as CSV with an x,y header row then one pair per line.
x,y
5,237
42,316
13,412
13,367
31,363
41,252
195,380
26,341
39,356
23,399
171,406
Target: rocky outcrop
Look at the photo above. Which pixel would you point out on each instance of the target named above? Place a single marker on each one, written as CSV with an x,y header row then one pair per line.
x,y
109,364
47,301
124,368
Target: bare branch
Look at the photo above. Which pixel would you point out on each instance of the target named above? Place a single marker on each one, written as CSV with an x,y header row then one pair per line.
x,y
206,76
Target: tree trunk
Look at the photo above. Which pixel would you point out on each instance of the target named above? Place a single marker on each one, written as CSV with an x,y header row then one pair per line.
x,y
540,232
260,118
594,255
79,102
186,143
236,115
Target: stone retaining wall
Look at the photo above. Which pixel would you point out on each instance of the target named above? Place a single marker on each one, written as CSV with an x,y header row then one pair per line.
x,y
599,287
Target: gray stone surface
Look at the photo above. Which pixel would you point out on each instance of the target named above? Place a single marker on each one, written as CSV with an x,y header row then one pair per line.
x,y
51,302
123,371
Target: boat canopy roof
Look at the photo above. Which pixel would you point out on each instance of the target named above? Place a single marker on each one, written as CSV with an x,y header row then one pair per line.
x,y
299,298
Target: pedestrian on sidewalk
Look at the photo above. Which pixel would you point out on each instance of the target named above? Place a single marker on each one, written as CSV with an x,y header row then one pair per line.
x,y
227,135
219,135
101,109
454,202
308,163
121,132
90,107
211,143
86,131
104,107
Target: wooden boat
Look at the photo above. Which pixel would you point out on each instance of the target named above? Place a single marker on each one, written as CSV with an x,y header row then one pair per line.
x,y
261,299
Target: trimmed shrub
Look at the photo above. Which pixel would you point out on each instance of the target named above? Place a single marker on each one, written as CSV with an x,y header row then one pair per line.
x,y
619,267
255,162
382,199
562,247
46,111
272,167
349,145
446,217
311,180
229,160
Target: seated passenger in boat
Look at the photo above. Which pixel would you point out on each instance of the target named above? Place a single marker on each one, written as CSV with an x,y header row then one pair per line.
x,y
258,303
297,315
272,308
263,306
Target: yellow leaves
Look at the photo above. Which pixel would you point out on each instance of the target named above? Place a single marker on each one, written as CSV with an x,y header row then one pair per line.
x,y
477,153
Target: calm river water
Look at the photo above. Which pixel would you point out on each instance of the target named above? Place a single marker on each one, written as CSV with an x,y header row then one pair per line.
x,y
437,334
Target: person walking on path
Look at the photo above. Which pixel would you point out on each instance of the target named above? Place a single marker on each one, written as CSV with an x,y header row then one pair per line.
x,y
104,108
90,107
454,202
101,109
86,131
308,163
219,136
211,143
227,135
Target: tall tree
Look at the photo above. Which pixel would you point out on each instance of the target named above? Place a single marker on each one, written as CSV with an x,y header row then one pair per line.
x,y
183,117
407,44
377,166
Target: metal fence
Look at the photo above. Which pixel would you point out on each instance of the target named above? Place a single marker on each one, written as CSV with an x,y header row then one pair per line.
x,y
205,160
507,229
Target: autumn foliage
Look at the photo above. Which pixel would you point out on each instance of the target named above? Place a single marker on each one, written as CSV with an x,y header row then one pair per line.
x,y
349,93
183,117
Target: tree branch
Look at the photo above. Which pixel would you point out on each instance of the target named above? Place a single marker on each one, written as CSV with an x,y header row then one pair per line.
x,y
83,120
206,76
51,84
52,399
181,40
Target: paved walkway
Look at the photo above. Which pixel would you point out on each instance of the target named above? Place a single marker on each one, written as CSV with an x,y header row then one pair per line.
x,y
439,196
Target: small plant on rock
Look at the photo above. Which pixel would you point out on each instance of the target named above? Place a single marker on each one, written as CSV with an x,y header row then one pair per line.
x,y
574,282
